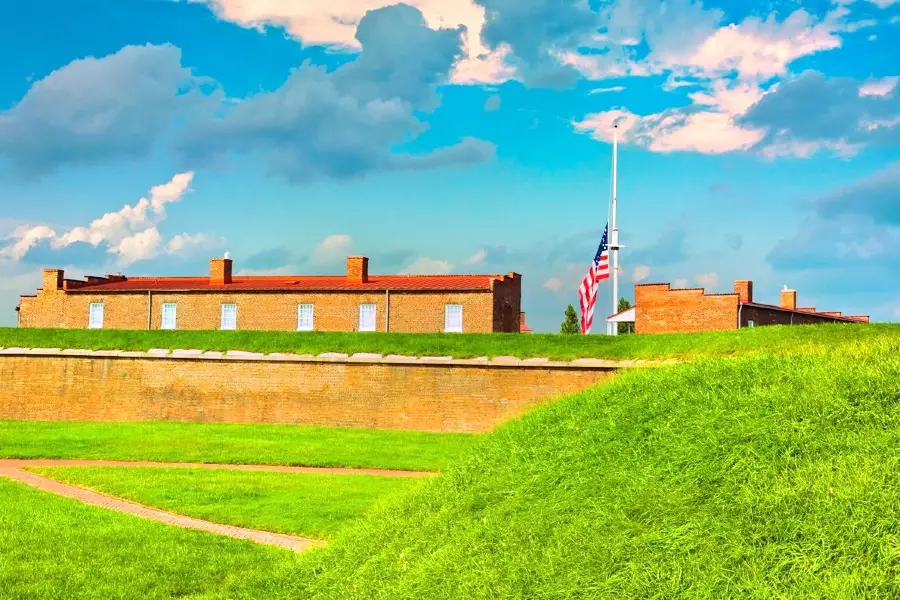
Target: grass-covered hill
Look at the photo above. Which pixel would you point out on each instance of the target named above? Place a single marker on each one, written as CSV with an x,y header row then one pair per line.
x,y
553,346
762,476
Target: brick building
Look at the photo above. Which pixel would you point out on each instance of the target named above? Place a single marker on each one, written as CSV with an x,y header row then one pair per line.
x,y
356,301
660,309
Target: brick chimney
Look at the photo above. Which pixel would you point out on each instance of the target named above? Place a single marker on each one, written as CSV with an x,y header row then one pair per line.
x,y
53,279
220,271
357,269
788,299
744,289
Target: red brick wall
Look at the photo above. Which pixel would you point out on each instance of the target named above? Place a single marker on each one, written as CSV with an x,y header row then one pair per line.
x,y
410,312
377,395
661,309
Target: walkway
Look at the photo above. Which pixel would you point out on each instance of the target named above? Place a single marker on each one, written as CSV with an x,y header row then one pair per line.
x,y
13,469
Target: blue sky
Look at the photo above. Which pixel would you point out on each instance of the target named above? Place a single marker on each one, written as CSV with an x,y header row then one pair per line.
x,y
759,140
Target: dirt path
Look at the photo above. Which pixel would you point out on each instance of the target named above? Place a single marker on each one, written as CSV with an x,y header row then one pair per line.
x,y
291,542
18,463
14,469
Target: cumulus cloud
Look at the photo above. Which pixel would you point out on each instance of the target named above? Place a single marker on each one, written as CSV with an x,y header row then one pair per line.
x,y
856,228
850,114
334,248
707,280
680,283
428,266
94,109
346,123
185,243
334,24
640,273
734,66
554,284
129,233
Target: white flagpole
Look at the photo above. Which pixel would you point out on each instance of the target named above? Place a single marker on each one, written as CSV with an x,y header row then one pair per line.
x,y
612,328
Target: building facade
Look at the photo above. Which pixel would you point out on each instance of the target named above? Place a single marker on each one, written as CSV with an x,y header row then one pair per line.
x,y
355,301
660,309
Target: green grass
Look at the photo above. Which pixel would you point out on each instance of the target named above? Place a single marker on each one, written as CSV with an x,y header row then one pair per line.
x,y
55,548
770,475
757,477
308,505
234,444
562,347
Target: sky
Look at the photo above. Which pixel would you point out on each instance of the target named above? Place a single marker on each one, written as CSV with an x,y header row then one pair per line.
x,y
758,140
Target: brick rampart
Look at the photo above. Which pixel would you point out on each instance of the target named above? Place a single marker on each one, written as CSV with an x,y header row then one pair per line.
x,y
399,393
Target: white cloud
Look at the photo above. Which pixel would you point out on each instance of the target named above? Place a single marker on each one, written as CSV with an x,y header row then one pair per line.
x,y
605,90
140,246
681,283
554,284
428,266
185,242
759,49
25,237
707,280
640,273
708,132
478,257
333,23
332,249
878,87
129,233
733,66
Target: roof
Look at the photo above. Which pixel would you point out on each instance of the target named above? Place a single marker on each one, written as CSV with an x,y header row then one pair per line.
x,y
311,283
524,328
623,316
806,311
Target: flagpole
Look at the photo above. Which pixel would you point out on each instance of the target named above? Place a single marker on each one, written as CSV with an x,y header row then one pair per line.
x,y
612,328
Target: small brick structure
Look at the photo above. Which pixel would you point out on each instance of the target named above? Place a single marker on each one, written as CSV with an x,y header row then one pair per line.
x,y
400,303
660,309
426,393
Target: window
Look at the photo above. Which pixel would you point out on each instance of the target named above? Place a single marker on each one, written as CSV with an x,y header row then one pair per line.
x,y
305,317
229,316
95,316
453,318
367,317
168,315
751,323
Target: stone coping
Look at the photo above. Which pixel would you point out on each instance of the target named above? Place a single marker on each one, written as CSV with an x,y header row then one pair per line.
x,y
337,357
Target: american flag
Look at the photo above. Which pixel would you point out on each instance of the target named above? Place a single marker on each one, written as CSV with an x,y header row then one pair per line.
x,y
598,271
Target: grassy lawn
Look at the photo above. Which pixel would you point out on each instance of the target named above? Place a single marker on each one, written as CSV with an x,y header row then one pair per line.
x,y
756,477
314,506
56,548
234,444
563,347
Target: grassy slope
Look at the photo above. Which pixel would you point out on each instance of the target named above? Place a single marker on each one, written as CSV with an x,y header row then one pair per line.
x,y
758,477
762,339
55,548
233,444
309,505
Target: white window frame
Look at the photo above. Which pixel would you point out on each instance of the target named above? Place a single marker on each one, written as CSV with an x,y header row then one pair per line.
x,y
363,310
449,325
306,326
164,323
751,323
223,325
93,321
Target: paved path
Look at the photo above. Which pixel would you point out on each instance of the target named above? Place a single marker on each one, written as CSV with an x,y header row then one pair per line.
x,y
13,469
18,463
